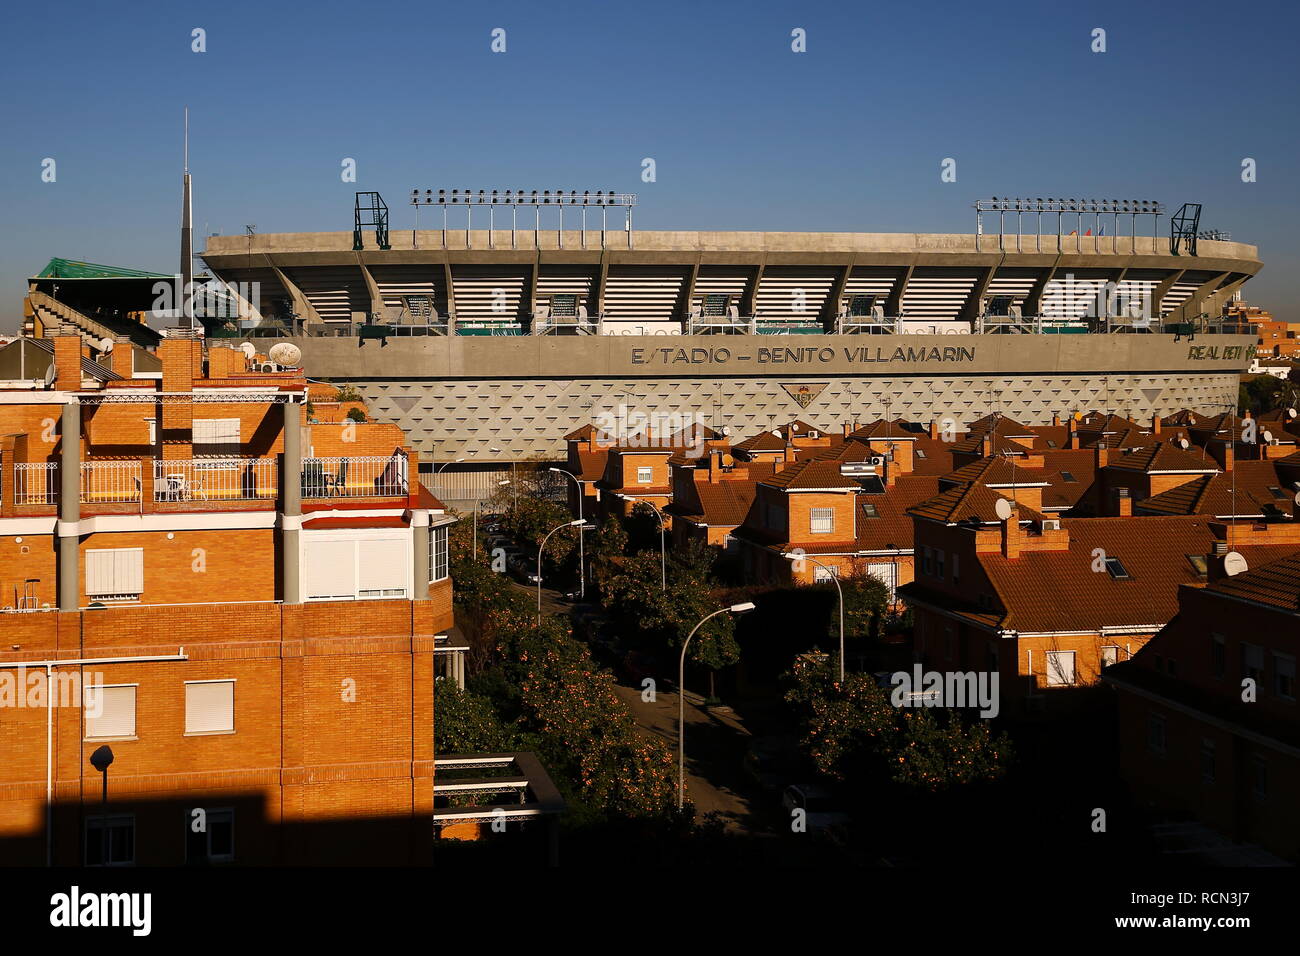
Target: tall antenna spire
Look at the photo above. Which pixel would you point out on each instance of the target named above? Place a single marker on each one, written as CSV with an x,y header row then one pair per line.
x,y
187,236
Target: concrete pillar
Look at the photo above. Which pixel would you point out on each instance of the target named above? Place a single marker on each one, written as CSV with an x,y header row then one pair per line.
x,y
291,502
69,532
420,536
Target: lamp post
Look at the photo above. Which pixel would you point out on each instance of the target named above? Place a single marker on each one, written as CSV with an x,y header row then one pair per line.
x,y
438,468
836,579
681,697
540,548
663,551
582,553
101,760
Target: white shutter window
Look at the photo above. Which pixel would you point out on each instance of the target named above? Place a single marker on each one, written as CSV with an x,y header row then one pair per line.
x,y
115,574
644,475
110,710
331,569
884,573
383,569
216,436
209,706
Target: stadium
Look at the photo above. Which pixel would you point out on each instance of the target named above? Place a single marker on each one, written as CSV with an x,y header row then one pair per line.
x,y
488,345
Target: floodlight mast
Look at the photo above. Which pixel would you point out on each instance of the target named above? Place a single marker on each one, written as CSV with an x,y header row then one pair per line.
x,y
515,198
1096,208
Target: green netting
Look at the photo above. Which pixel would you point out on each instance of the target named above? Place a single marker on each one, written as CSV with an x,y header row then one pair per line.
x,y
71,269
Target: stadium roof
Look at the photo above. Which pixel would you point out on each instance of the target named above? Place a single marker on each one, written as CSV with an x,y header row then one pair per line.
x,y
58,268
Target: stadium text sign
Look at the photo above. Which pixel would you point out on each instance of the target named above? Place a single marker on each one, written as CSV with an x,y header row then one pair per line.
x,y
780,355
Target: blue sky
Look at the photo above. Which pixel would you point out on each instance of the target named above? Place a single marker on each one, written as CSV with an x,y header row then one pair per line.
x,y
745,133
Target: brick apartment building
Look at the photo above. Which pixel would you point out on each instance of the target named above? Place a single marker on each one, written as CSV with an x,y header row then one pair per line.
x,y
1192,742
248,602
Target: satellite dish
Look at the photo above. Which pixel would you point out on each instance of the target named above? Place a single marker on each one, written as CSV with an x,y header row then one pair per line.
x,y
286,354
1003,509
50,374
776,432
249,350
794,427
1234,563
1291,413
1267,436
1296,499
106,344
1184,444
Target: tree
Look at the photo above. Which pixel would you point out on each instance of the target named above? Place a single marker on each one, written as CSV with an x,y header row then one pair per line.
x,y
356,415
854,734
465,722
664,617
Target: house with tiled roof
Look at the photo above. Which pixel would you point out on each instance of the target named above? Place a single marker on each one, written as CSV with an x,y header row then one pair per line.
x,y
1208,710
1258,490
1048,602
711,496
1124,479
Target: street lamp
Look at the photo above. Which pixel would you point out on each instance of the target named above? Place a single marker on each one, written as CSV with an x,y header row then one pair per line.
x,y
681,697
663,551
101,760
582,553
796,557
540,548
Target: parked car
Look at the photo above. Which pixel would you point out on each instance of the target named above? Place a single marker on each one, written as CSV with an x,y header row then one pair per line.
x,y
524,570
817,802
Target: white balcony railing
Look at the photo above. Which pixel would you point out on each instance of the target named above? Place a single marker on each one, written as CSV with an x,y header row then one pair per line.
x,y
36,483
354,477
215,479
110,481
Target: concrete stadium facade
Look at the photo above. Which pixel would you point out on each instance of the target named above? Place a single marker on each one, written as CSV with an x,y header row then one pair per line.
x,y
475,393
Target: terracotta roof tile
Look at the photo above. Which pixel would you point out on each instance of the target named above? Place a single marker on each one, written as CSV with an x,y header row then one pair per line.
x,y
1165,456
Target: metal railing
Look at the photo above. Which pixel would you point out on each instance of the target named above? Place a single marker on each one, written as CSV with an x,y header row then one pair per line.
x,y
370,477
110,481
215,479
36,483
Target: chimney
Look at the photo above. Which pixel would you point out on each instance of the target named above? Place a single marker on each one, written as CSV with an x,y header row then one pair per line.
x,y
177,358
1123,503
1229,455
1102,453
1214,562
1056,420
1011,534
715,467
986,446
847,429
122,359
934,429
1155,424
1074,432
67,360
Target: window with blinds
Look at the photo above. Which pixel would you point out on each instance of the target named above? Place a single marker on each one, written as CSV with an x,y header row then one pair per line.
x,y
109,711
438,555
210,707
115,574
216,436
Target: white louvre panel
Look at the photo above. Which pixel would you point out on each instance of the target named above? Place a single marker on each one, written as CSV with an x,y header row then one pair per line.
x,y
116,709
936,296
1017,287
383,568
1073,295
720,280
868,282
334,293
645,294
115,573
397,281
559,281
779,293
330,568
1177,295
488,294
209,706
